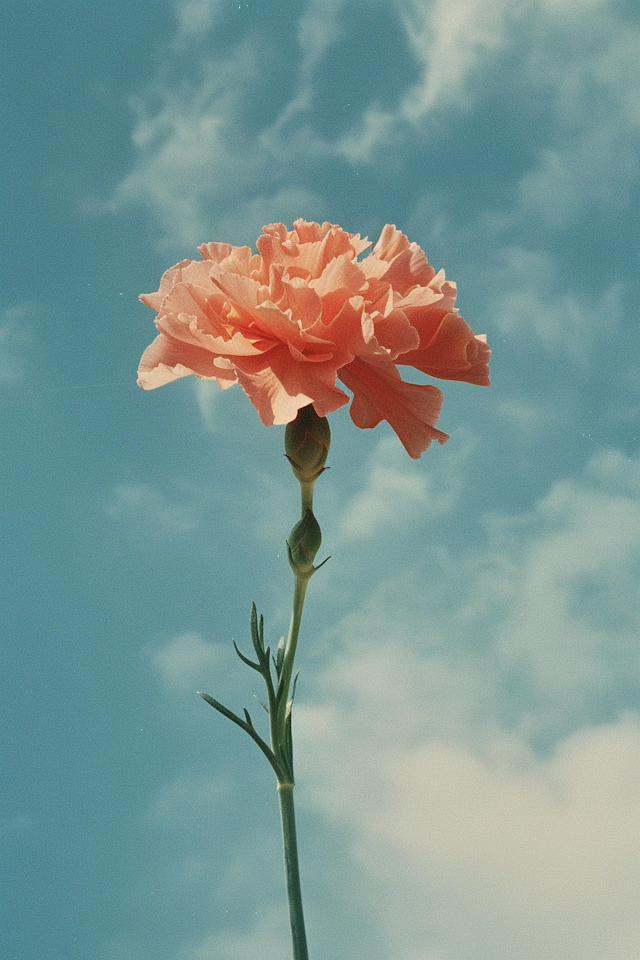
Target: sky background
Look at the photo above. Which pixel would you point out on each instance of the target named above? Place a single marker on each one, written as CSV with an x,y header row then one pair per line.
x,y
467,726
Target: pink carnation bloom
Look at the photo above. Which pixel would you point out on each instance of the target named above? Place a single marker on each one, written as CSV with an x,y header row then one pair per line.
x,y
285,323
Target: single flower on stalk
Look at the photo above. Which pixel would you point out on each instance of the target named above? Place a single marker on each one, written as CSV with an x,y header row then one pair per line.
x,y
289,322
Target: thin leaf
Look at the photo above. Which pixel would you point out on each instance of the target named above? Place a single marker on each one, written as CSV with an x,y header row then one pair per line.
x,y
249,663
279,658
293,688
280,771
253,622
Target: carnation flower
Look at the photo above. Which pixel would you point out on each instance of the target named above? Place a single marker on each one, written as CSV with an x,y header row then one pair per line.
x,y
289,322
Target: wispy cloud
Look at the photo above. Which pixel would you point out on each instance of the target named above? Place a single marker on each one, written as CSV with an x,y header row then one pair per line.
x,y
587,67
184,661
186,797
572,626
468,742
267,938
207,394
532,304
203,164
196,18
450,41
396,491
152,509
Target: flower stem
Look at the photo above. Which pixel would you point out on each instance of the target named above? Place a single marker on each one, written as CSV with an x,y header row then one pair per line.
x,y
306,495
299,592
282,747
292,871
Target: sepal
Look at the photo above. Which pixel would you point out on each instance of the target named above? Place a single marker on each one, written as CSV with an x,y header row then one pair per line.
x,y
303,544
306,444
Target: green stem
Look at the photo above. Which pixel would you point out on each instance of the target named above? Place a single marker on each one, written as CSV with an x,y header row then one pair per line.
x,y
285,788
306,495
299,592
292,871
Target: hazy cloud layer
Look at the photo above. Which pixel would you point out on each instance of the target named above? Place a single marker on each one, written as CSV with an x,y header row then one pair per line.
x,y
482,763
207,163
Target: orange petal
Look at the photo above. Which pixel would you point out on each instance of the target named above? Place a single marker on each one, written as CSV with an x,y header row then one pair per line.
x,y
166,360
411,409
278,385
454,353
169,278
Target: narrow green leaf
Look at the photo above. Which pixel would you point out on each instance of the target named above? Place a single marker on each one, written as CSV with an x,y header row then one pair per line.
x,y
249,663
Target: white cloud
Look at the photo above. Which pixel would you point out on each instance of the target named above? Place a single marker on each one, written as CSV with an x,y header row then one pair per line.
x,y
207,394
532,303
503,854
410,750
421,743
450,40
573,622
267,939
182,661
197,17
613,471
588,63
536,631
197,171
527,419
399,492
465,840
188,797
594,168
319,29
152,509
188,149
203,167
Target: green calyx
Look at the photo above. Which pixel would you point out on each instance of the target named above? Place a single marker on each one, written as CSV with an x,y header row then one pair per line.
x,y
306,444
303,544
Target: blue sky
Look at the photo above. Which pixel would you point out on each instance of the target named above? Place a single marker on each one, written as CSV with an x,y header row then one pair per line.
x,y
467,726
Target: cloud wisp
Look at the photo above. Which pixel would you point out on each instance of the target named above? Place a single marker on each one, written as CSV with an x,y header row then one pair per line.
x,y
150,507
204,162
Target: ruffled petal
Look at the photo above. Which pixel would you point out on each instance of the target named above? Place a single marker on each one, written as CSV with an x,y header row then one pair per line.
x,y
396,334
340,280
285,322
411,409
402,264
169,278
165,360
278,385
453,353
306,258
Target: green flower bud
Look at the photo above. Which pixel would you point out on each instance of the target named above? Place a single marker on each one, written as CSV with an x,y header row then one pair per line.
x,y
306,444
303,544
